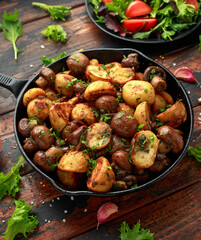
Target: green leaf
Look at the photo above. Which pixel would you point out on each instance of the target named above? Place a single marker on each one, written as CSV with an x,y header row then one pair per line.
x,y
141,35
47,61
195,152
55,11
9,182
20,221
12,28
96,4
56,32
136,233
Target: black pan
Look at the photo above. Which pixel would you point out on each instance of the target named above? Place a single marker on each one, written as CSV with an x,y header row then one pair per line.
x,y
19,87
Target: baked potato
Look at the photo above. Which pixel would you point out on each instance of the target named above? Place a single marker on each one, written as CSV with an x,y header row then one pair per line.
x,y
142,114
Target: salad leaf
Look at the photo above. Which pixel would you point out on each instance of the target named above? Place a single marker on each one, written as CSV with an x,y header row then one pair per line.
x,y
9,182
135,233
12,28
47,61
195,152
20,221
96,4
56,32
55,11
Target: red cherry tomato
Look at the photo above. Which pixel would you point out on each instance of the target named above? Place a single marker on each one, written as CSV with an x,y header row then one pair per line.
x,y
137,8
106,1
194,3
139,24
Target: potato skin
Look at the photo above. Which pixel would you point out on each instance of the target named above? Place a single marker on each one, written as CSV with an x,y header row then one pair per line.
x,y
96,73
123,107
121,76
135,92
74,161
98,135
59,115
39,107
77,63
99,88
83,113
142,114
102,176
175,115
159,104
107,103
32,94
145,157
63,84
124,124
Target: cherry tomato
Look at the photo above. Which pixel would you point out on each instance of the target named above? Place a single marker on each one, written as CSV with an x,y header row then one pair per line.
x,y
137,8
139,24
106,1
194,3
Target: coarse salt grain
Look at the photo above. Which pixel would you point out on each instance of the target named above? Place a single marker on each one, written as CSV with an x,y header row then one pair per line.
x,y
193,140
50,205
174,64
58,198
65,211
43,202
3,221
41,183
189,92
72,198
31,65
32,202
45,220
42,46
64,220
52,200
199,118
48,221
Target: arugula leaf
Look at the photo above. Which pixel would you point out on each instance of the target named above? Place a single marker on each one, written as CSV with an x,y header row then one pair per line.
x,y
96,4
56,32
12,28
9,182
195,152
47,61
20,221
135,233
55,11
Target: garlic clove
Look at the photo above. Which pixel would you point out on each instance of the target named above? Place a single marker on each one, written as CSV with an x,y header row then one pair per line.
x,y
185,74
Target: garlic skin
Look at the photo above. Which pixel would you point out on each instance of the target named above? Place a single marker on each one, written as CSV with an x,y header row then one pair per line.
x,y
185,74
105,211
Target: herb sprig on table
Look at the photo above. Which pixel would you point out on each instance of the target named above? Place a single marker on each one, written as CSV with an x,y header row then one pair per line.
x,y
12,28
56,32
47,61
195,152
55,11
9,182
20,221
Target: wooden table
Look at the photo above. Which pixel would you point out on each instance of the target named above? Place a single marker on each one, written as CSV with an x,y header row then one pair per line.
x,y
171,208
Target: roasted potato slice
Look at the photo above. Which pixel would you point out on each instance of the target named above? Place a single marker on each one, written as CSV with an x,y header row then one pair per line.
x,y
83,113
71,179
102,176
50,94
142,114
159,104
94,62
168,98
96,73
32,94
144,149
135,92
73,100
74,161
174,116
64,84
59,115
99,88
120,76
111,67
39,107
123,107
98,135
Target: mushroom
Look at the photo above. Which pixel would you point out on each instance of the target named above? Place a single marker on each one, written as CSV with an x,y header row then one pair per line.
x,y
131,61
25,126
48,74
77,63
170,136
157,77
49,159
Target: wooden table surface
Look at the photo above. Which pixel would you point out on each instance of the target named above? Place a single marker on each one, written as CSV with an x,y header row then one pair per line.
x,y
170,208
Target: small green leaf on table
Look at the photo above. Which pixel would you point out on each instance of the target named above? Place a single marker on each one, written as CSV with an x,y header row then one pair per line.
x,y
56,32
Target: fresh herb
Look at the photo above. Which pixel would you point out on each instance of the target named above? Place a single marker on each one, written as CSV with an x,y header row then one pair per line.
x,y
146,90
119,116
91,165
55,11
135,233
52,167
47,61
9,182
96,5
55,134
195,152
142,142
139,128
105,118
37,119
20,221
12,28
119,100
130,117
56,32
152,140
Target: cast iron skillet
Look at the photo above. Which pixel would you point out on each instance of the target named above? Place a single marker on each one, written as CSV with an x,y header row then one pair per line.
x,y
105,55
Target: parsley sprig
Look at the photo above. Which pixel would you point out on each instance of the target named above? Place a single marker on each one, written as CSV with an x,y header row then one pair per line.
x,y
195,152
12,28
47,61
55,11
56,32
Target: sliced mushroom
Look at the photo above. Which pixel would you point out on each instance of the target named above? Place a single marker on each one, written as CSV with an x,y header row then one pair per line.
x,y
131,61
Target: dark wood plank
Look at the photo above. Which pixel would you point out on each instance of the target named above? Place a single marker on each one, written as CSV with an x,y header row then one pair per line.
x,y
28,13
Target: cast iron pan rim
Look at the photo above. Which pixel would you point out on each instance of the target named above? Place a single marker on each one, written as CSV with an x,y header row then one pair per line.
x,y
121,192
141,41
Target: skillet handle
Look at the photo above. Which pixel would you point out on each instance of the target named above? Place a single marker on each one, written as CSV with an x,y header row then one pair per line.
x,y
13,84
